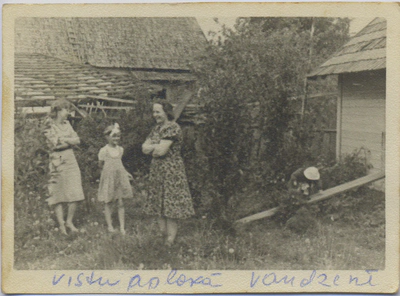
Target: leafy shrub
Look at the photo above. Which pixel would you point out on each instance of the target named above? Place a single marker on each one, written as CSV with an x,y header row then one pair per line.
x,y
197,169
351,167
293,208
247,80
31,179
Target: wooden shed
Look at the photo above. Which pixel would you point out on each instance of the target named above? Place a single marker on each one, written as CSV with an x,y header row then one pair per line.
x,y
154,50
361,67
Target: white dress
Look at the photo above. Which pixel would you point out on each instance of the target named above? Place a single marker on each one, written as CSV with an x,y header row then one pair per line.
x,y
65,184
114,180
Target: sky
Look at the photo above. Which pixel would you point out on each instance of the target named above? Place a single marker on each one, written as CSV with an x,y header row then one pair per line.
x,y
209,24
357,24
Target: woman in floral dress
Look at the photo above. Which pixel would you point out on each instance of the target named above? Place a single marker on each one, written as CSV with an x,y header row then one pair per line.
x,y
169,197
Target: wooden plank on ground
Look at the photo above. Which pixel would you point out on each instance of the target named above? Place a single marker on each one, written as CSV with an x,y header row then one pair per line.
x,y
320,196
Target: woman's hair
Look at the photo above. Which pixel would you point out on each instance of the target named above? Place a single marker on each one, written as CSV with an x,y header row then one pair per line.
x,y
167,107
57,106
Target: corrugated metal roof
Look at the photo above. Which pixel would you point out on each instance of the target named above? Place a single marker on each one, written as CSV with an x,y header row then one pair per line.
x,y
366,51
138,42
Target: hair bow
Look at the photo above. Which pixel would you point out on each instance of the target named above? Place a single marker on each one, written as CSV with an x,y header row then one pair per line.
x,y
116,129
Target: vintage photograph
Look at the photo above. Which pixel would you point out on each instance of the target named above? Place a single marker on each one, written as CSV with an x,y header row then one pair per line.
x,y
241,143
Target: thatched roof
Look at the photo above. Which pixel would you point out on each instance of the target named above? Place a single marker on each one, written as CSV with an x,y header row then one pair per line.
x,y
40,79
136,43
366,51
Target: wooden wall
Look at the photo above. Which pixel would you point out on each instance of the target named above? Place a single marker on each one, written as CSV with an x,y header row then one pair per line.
x,y
362,118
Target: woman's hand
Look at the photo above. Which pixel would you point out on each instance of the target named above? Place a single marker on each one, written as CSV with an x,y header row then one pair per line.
x,y
162,148
61,144
147,147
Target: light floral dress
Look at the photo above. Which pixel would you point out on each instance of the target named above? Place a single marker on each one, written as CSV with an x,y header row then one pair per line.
x,y
114,180
65,184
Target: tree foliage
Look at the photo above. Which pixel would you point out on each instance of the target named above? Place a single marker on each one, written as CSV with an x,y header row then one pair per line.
x,y
247,78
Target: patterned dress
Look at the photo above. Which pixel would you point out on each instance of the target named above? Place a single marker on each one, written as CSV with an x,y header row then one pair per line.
x,y
114,180
169,194
65,184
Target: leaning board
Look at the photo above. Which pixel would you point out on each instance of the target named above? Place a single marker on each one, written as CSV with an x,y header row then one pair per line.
x,y
321,195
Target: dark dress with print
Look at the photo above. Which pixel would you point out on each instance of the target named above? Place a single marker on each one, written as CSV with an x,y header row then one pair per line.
x,y
169,194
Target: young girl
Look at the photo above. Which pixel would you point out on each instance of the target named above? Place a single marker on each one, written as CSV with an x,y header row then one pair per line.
x,y
114,180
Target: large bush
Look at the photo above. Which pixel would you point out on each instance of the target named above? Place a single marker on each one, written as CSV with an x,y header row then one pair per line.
x,y
31,179
247,80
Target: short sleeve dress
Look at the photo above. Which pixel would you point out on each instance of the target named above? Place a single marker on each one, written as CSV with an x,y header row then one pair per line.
x,y
168,194
65,184
114,180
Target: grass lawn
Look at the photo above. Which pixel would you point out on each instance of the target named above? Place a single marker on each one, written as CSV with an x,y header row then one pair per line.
x,y
353,237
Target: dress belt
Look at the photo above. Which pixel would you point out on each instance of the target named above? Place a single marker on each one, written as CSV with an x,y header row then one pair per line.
x,y
61,149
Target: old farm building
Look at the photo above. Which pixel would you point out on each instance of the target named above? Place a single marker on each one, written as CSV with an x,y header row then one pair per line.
x,y
104,57
361,67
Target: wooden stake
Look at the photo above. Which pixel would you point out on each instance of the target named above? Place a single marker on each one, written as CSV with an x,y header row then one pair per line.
x,y
182,104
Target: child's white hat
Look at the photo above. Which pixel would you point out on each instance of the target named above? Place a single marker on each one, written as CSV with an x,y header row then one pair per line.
x,y
312,173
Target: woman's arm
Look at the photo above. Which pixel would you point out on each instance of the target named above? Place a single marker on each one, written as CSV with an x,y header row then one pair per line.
x,y
162,148
62,145
147,147
71,140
